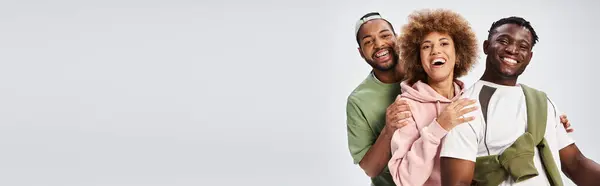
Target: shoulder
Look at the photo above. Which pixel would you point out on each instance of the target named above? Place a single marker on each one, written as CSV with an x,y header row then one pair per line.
x,y
553,112
361,96
359,92
367,89
353,104
472,92
551,105
475,126
413,104
531,89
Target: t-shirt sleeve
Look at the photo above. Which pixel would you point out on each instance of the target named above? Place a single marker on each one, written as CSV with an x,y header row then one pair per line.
x,y
562,137
360,135
462,142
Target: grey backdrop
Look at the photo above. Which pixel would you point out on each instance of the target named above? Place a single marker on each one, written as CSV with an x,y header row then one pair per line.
x,y
182,92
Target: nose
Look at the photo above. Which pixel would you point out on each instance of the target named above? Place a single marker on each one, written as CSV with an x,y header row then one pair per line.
x,y
435,50
380,43
511,49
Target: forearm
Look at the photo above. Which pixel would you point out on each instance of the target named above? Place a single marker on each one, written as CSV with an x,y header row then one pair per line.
x,y
585,172
378,156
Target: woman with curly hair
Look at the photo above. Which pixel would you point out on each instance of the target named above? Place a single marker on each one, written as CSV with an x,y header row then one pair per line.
x,y
436,47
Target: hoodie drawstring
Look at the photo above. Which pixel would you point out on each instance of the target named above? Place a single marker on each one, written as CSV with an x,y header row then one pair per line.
x,y
437,107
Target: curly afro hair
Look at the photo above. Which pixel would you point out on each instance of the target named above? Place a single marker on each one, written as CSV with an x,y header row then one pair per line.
x,y
420,23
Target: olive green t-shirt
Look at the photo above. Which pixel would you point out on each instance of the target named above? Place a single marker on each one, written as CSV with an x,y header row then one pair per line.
x,y
365,116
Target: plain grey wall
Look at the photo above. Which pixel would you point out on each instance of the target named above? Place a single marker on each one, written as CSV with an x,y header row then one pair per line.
x,y
181,92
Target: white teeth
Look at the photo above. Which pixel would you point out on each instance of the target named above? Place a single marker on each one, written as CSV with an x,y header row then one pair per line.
x,y
439,60
509,60
380,54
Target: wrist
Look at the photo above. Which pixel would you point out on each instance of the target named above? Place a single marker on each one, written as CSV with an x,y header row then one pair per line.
x,y
387,131
442,124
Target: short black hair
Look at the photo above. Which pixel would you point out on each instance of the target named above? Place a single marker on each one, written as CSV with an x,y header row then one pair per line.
x,y
371,14
514,20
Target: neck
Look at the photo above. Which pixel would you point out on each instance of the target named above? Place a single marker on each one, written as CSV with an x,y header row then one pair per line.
x,y
390,76
444,87
497,78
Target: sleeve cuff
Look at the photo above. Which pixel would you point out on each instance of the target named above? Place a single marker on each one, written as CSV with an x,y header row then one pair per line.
x,y
455,156
357,157
436,130
571,141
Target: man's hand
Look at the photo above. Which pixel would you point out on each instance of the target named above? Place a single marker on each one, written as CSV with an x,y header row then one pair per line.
x,y
452,115
566,123
396,115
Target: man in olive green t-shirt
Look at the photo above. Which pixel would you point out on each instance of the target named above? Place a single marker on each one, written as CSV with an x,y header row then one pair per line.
x,y
368,134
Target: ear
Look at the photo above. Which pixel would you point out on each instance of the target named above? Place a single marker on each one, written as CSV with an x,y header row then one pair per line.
x,y
486,44
530,56
361,53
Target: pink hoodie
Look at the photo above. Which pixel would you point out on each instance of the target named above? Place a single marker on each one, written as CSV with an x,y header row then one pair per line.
x,y
415,147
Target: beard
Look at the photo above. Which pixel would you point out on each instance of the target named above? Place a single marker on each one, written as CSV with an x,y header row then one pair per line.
x,y
385,66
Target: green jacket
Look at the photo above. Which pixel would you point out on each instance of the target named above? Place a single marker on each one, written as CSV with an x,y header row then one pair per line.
x,y
517,160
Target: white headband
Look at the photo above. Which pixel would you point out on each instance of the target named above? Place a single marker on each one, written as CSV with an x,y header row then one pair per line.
x,y
367,17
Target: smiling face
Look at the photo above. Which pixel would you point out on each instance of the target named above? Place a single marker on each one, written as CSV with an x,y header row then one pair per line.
x,y
438,56
377,40
509,50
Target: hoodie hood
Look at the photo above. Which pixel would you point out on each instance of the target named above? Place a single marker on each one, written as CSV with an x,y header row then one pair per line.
x,y
422,92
